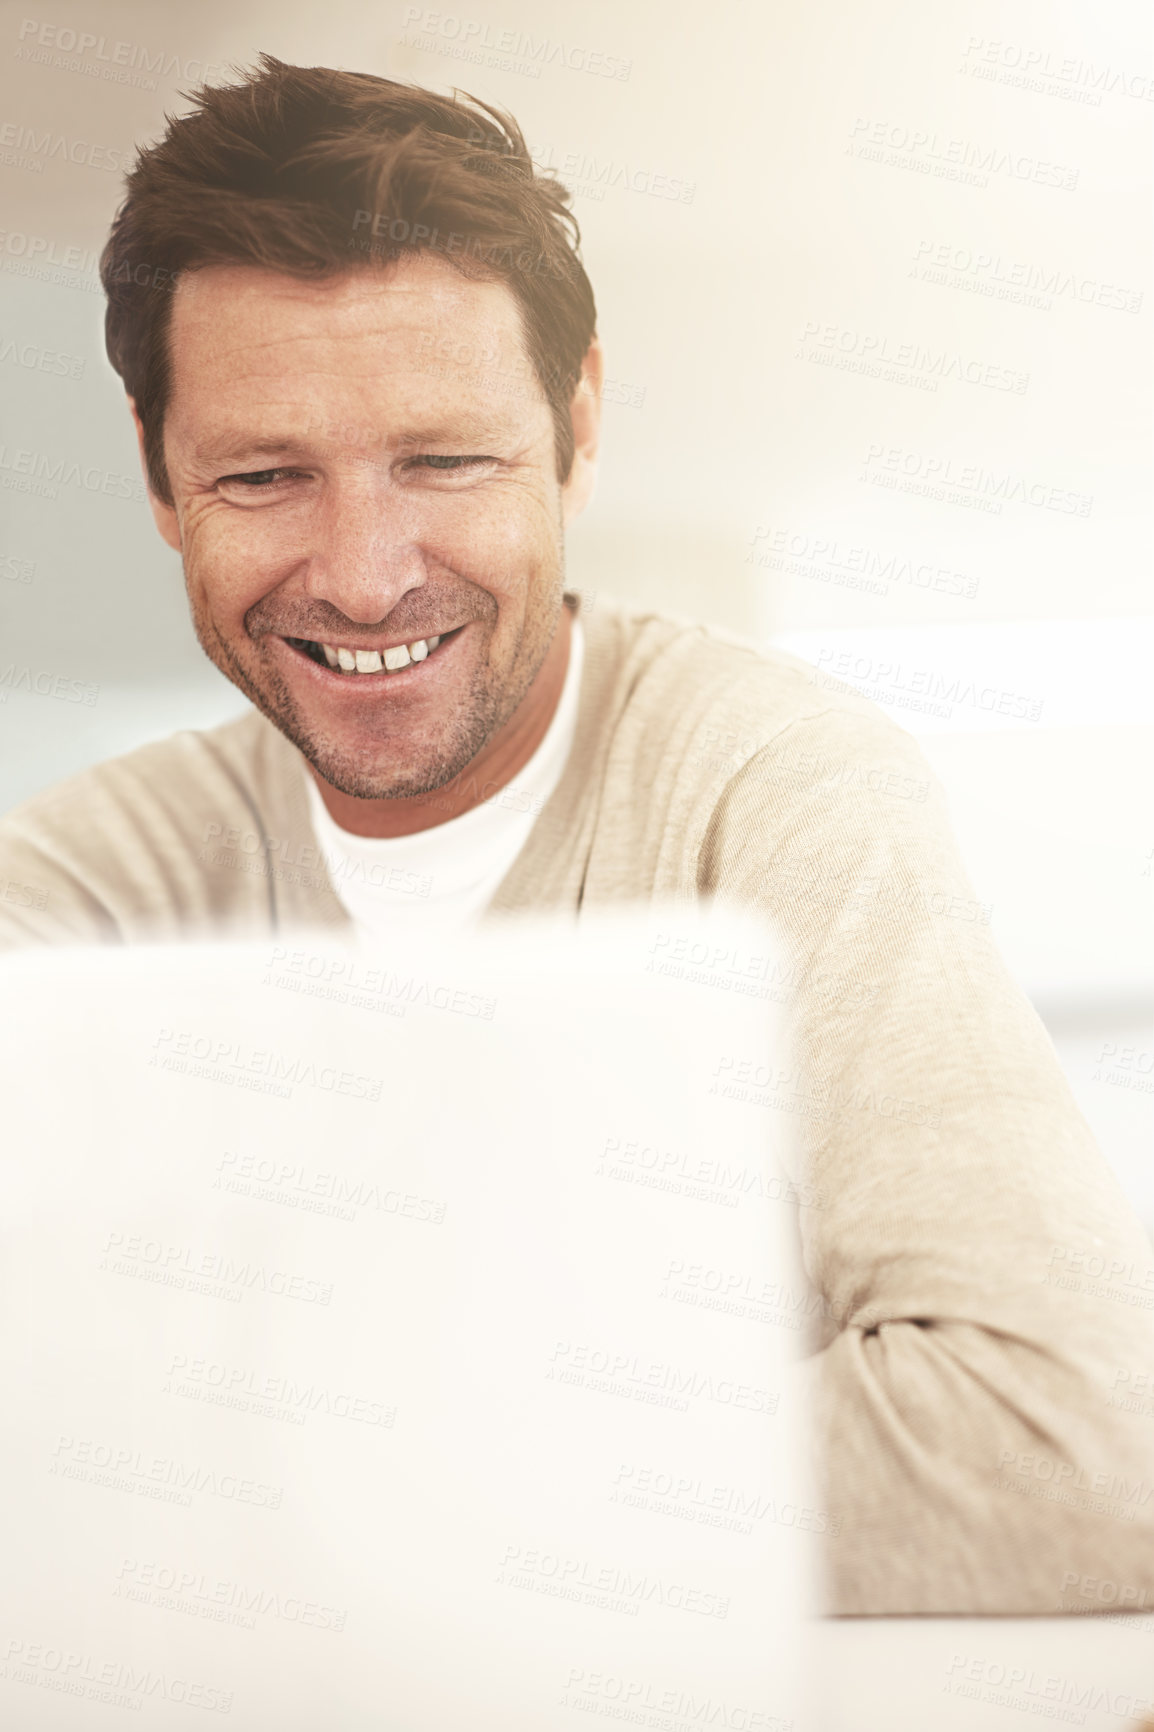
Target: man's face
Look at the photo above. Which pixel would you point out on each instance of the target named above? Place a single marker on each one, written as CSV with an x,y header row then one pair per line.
x,y
364,463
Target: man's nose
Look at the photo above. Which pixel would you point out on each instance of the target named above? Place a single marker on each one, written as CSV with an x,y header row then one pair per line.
x,y
365,551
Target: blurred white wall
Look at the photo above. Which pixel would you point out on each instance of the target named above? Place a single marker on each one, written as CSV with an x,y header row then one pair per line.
x,y
875,288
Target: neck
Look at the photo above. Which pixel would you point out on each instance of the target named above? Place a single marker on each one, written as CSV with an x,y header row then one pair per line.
x,y
492,769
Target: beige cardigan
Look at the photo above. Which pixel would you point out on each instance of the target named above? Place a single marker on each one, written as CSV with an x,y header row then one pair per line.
x,y
984,1280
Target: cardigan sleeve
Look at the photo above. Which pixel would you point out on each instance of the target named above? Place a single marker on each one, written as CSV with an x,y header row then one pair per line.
x,y
983,1280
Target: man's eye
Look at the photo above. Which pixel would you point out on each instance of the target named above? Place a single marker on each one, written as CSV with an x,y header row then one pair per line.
x,y
257,478
434,461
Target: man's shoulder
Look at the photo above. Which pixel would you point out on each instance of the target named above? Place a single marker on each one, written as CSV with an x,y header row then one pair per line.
x,y
185,777
717,700
149,844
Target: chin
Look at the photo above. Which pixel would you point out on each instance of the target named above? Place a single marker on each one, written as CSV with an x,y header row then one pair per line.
x,y
375,774
381,782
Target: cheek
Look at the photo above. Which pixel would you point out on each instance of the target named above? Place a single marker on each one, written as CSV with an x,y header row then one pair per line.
x,y
506,543
233,559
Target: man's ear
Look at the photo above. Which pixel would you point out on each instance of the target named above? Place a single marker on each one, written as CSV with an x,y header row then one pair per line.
x,y
585,412
163,515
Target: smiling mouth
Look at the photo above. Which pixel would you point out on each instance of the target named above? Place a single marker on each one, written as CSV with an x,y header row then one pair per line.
x,y
348,659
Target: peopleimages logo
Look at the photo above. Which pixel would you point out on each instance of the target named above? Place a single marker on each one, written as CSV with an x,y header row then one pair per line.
x,y
178,1588
928,152
646,1702
876,355
344,979
1099,1490
592,176
267,1395
38,471
117,1683
23,147
101,57
478,40
23,895
1102,1591
926,472
270,1179
160,1478
42,684
687,1497
609,1587
610,1372
852,565
1036,68
1050,1694
221,1060
186,1266
1024,284
35,359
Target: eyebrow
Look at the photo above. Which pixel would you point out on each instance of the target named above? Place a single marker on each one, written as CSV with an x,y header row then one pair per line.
x,y
473,431
229,449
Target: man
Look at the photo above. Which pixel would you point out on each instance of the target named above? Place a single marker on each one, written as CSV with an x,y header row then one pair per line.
x,y
360,350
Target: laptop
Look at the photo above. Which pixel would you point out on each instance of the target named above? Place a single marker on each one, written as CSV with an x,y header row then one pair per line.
x,y
404,1340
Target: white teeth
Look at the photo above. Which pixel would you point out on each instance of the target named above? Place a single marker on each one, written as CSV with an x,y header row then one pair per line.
x,y
371,661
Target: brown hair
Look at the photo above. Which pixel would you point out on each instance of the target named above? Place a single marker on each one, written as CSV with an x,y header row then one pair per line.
x,y
313,171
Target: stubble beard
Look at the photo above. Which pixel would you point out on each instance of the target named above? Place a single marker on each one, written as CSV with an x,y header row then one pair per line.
x,y
477,715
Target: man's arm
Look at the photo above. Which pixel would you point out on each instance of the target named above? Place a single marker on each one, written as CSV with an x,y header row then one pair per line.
x,y
45,896
967,1224
202,835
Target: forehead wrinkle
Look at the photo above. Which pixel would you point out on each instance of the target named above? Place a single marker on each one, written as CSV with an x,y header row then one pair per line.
x,y
330,332
383,356
471,380
411,306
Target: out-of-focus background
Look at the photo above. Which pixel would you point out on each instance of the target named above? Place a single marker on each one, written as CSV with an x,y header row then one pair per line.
x,y
874,284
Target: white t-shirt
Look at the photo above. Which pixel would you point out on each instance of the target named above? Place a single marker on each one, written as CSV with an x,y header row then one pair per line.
x,y
443,878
